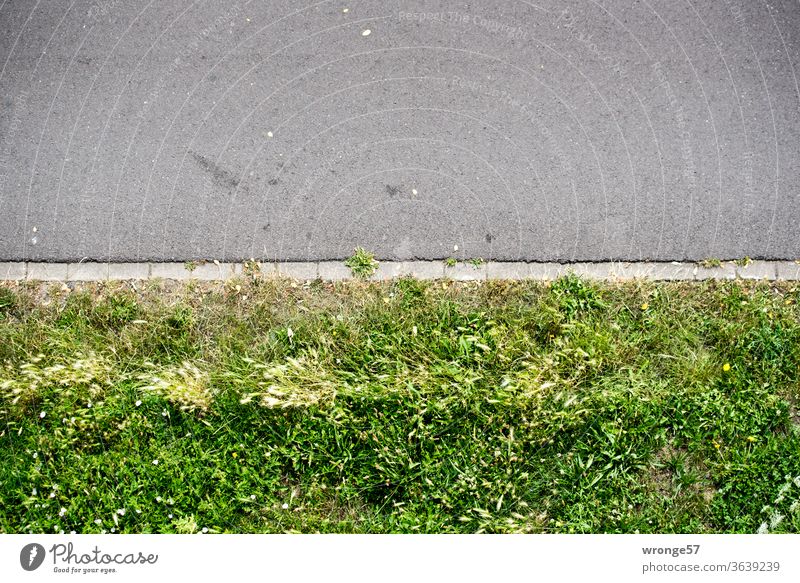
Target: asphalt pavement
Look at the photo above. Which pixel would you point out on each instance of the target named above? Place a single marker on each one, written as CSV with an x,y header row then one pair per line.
x,y
168,130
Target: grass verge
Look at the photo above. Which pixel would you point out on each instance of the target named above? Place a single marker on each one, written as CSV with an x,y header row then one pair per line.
x,y
264,405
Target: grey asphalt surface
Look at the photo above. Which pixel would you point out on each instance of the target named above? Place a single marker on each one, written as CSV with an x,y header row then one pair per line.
x,y
509,130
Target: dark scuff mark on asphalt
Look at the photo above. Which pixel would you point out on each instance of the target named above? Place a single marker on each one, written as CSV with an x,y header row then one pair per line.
x,y
221,177
393,190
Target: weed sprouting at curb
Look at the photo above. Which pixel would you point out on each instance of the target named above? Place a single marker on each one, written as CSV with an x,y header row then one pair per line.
x,y
251,268
711,263
476,262
362,263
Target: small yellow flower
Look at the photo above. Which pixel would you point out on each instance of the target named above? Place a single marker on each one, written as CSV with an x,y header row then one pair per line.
x,y
234,454
751,439
645,306
726,367
716,445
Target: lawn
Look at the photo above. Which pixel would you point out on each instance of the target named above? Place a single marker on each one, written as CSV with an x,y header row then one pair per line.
x,y
265,405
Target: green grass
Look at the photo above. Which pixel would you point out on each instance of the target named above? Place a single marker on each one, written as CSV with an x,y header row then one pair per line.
x,y
265,405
